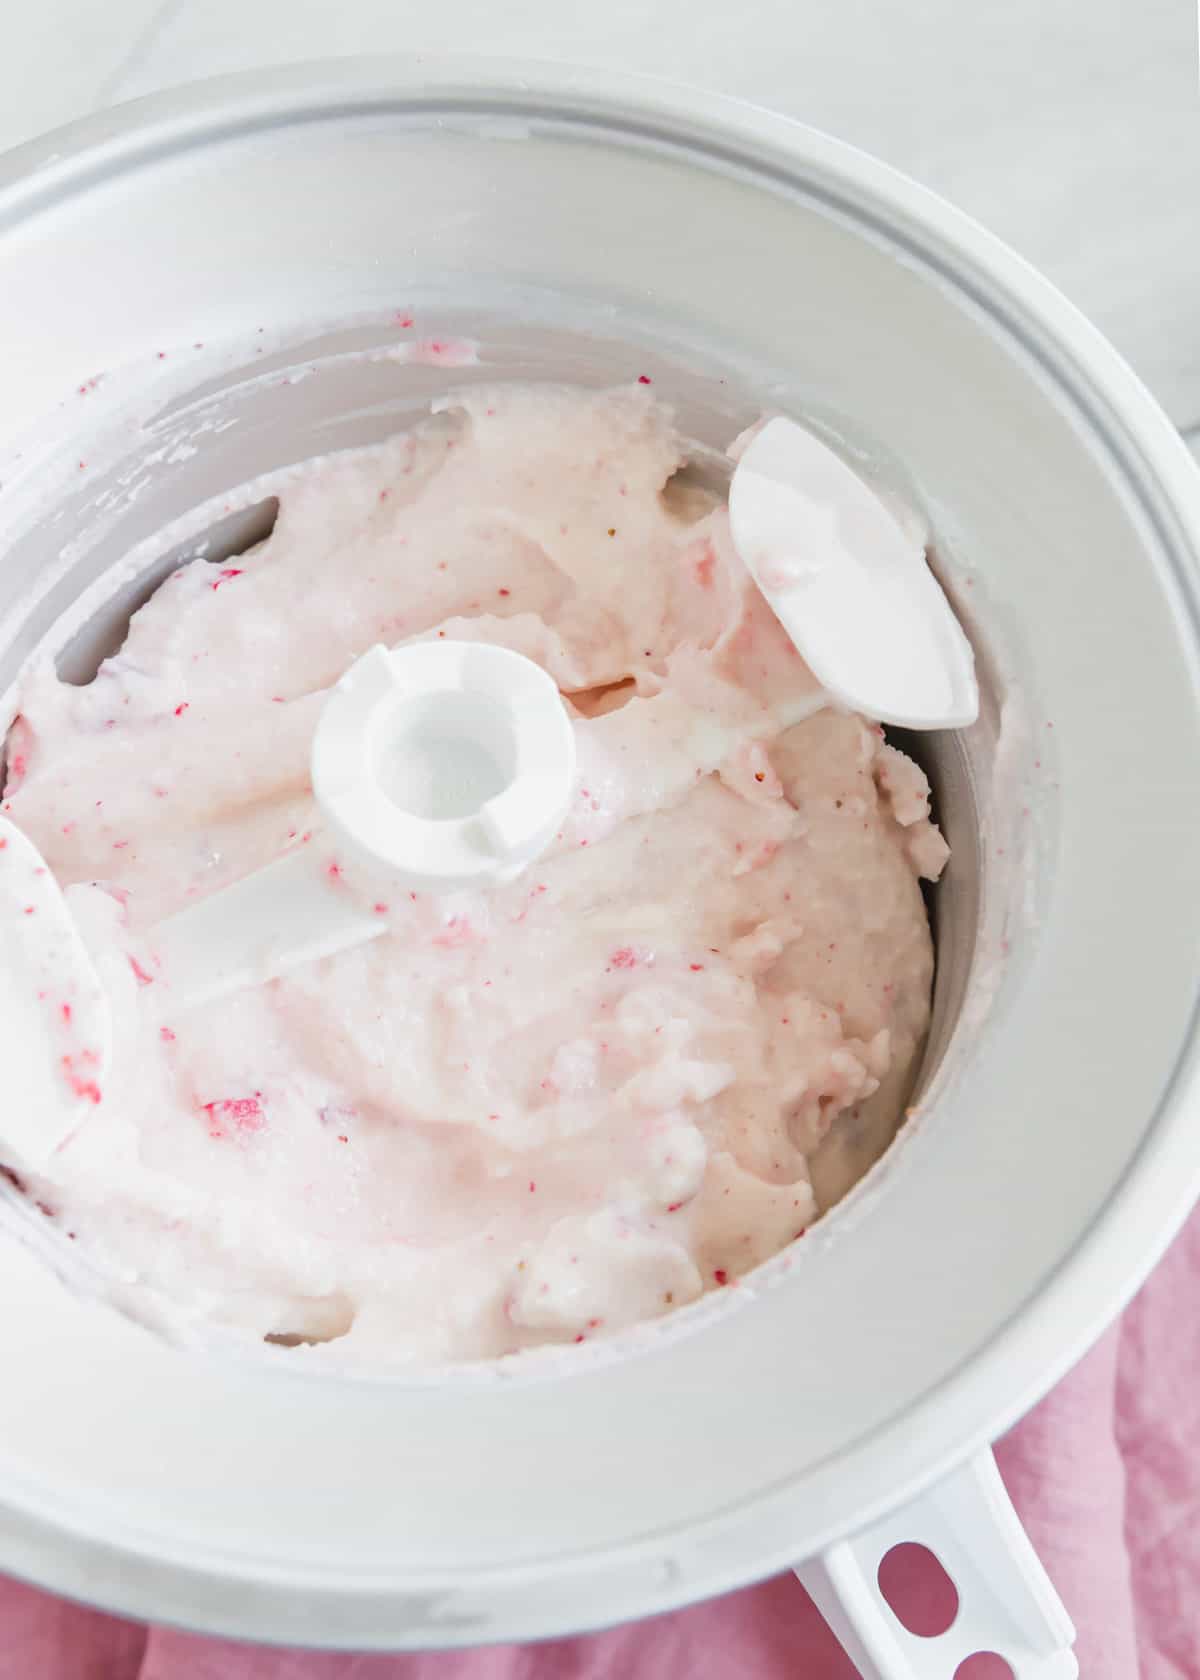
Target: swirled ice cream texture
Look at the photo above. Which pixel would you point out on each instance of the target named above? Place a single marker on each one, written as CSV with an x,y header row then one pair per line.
x,y
530,1114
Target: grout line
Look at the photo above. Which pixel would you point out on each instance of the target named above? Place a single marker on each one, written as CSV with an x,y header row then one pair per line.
x,y
110,88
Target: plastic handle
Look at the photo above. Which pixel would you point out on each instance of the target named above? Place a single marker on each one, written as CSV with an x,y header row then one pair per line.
x,y
1006,1602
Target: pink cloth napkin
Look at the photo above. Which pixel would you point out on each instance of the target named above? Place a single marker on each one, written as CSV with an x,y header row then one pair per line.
x,y
1105,1473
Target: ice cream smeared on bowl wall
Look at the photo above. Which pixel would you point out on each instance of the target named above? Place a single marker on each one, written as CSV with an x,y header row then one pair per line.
x,y
537,1112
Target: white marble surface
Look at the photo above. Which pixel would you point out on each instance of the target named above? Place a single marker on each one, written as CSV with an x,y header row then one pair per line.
x,y
1071,127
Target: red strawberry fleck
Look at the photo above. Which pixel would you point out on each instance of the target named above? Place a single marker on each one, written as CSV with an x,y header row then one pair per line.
x,y
721,1276
245,1112
703,566
140,975
183,704
644,379
226,573
81,1084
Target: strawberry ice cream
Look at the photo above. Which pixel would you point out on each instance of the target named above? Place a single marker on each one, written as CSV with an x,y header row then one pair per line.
x,y
535,1113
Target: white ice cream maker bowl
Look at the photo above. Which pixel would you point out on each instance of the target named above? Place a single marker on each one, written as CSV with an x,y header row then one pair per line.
x,y
804,1415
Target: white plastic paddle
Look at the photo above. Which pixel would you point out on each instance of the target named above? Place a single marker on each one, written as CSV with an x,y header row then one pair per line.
x,y
852,589
55,1010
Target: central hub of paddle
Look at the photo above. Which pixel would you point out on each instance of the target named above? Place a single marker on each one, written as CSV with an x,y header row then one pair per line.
x,y
444,764
446,755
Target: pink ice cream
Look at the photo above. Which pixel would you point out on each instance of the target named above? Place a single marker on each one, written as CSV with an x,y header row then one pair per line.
x,y
530,1114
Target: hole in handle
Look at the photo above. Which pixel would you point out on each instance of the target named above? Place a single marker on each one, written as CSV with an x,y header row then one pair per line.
x,y
984,1665
918,1591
